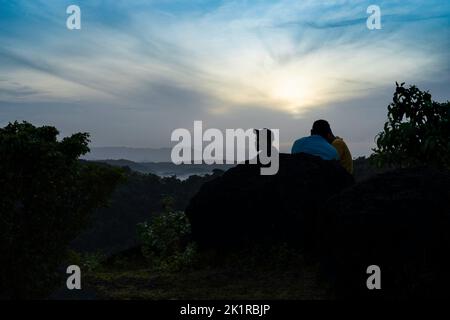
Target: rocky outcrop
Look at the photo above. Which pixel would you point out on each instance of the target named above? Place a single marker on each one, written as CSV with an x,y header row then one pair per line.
x,y
243,207
399,221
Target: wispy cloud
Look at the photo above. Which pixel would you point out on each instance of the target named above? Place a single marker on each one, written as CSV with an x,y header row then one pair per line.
x,y
16,91
206,58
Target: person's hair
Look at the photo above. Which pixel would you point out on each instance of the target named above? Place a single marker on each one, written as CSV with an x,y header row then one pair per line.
x,y
321,128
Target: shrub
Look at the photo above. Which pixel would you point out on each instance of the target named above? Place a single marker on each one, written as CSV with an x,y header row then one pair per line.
x,y
165,240
46,198
417,131
87,261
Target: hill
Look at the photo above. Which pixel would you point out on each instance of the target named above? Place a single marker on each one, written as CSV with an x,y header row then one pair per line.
x,y
168,169
132,154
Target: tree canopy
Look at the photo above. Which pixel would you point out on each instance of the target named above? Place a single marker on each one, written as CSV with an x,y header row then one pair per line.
x,y
417,131
46,197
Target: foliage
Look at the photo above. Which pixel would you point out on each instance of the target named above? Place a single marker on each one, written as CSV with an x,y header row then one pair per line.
x,y
46,197
87,261
165,240
274,272
417,131
113,229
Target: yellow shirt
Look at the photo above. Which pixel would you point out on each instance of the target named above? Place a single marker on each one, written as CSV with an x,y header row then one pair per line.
x,y
345,157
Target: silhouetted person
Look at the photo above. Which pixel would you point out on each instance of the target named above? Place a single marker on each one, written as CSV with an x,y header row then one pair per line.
x,y
313,145
317,143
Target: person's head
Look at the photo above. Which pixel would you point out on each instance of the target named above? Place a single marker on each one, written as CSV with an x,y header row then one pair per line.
x,y
322,128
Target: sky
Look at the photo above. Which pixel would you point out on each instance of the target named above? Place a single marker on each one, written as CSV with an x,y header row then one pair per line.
x,y
137,70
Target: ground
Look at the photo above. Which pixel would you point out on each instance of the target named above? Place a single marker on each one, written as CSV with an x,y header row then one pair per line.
x,y
240,279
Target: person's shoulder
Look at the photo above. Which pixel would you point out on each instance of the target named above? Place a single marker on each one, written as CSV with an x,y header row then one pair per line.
x,y
338,142
300,140
297,145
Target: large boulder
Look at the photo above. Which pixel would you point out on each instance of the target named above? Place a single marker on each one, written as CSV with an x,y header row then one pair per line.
x,y
399,221
245,207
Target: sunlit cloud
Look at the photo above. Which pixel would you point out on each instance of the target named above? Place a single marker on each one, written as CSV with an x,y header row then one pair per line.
x,y
218,57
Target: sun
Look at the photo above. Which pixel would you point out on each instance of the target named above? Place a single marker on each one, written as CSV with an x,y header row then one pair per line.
x,y
292,92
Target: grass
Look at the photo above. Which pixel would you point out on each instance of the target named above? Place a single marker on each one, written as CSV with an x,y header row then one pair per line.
x,y
233,276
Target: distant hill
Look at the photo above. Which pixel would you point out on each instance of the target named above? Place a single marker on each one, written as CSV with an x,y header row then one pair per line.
x,y
133,154
362,168
168,169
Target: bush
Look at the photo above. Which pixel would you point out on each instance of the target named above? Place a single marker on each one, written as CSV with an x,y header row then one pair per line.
x,y
46,198
417,131
165,240
87,261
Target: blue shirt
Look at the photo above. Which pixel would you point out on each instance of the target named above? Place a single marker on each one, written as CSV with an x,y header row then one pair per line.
x,y
317,146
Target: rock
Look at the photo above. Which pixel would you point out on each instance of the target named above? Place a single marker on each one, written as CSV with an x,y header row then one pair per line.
x,y
244,207
400,221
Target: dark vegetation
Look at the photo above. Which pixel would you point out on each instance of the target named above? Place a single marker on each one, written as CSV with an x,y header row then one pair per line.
x,y
140,197
308,232
417,131
400,221
165,241
168,169
45,200
276,272
136,200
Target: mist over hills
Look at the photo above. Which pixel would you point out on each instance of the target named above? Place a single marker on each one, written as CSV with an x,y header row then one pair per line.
x,y
168,169
129,153
150,160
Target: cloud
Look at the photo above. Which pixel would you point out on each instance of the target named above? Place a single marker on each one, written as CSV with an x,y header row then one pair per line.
x,y
146,63
16,91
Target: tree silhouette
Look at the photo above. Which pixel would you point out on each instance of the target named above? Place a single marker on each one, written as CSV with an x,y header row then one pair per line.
x,y
46,197
417,131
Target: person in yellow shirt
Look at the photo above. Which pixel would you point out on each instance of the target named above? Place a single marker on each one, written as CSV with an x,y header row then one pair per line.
x,y
343,152
345,157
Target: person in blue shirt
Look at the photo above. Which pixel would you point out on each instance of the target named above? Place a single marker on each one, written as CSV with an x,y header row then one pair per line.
x,y
317,144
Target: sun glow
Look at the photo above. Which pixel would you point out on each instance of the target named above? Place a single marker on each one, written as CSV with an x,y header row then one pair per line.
x,y
292,93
